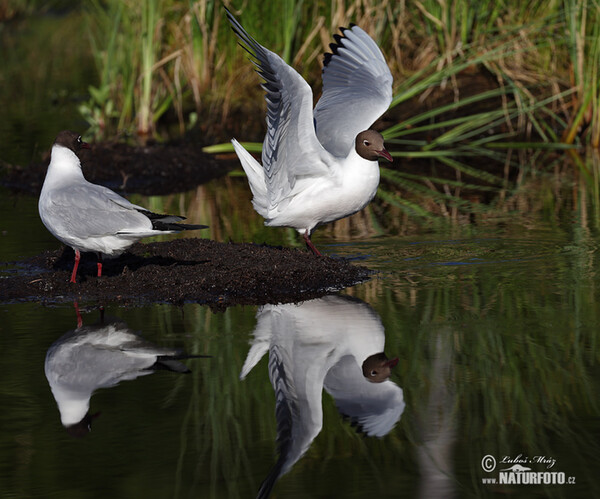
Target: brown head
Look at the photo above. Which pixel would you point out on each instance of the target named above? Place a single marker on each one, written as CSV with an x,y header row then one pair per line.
x,y
71,140
81,429
378,367
369,145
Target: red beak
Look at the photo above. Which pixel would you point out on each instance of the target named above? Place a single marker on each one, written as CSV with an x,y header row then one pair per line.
x,y
384,154
392,363
85,145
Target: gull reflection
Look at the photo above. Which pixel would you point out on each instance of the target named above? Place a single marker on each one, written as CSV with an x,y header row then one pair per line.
x,y
100,356
336,343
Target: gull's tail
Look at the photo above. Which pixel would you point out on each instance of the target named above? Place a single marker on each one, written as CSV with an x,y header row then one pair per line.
x,y
256,178
170,222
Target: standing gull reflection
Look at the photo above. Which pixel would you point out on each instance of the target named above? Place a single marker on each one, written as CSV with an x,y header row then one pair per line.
x,y
336,343
100,356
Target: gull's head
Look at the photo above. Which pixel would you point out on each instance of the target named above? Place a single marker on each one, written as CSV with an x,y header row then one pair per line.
x,y
71,140
81,429
369,145
377,368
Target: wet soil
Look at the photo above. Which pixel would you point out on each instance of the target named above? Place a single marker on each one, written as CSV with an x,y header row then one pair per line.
x,y
180,271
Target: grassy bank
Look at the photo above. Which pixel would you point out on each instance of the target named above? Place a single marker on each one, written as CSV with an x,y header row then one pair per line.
x,y
464,74
161,61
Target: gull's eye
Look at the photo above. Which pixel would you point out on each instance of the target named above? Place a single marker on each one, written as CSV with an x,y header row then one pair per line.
x,y
366,143
373,373
79,139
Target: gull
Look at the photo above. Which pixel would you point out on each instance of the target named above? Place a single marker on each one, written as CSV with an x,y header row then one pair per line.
x,y
318,165
336,344
90,217
101,356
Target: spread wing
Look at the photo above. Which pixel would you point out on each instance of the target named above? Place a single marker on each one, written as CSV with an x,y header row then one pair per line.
x,y
374,408
298,412
291,148
357,89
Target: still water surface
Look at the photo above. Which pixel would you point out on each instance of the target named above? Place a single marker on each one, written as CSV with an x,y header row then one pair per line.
x,y
495,328
496,332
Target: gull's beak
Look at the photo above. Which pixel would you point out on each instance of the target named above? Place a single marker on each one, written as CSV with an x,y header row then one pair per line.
x,y
384,154
392,363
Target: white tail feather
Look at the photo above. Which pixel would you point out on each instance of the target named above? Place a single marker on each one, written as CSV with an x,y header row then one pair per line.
x,y
256,178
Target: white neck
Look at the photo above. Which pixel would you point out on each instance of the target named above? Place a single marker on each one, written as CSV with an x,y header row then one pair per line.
x,y
73,405
63,163
354,158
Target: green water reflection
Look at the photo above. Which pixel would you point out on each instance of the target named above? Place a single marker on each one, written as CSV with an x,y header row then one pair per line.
x,y
497,338
46,69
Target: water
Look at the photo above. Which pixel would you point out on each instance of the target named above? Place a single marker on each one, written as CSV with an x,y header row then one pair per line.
x,y
497,341
495,326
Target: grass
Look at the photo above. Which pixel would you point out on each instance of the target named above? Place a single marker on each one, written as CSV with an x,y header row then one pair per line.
x,y
182,61
162,61
583,43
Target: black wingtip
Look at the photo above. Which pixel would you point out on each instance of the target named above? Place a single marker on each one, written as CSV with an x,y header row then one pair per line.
x,y
339,42
191,226
175,227
229,14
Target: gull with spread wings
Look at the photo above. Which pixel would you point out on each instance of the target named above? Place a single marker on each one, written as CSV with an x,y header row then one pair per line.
x,y
318,165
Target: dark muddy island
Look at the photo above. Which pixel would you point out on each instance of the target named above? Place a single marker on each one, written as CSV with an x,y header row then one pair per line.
x,y
178,271
183,270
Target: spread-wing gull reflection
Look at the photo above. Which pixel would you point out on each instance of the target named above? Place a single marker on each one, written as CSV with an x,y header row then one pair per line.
x,y
336,343
101,356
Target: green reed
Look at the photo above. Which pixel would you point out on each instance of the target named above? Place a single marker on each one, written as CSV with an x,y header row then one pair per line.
x,y
582,30
174,52
162,59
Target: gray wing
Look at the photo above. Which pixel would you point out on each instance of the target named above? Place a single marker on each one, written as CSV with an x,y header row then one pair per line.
x,y
93,357
357,89
374,408
291,148
298,413
88,210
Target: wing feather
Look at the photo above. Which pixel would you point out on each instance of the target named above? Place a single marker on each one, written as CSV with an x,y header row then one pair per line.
x,y
87,211
357,89
290,148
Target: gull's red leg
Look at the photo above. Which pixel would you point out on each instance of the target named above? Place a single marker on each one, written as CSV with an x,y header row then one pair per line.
x,y
310,245
79,319
74,274
99,264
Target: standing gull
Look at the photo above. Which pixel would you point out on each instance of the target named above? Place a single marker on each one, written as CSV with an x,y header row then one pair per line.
x,y
90,217
318,166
